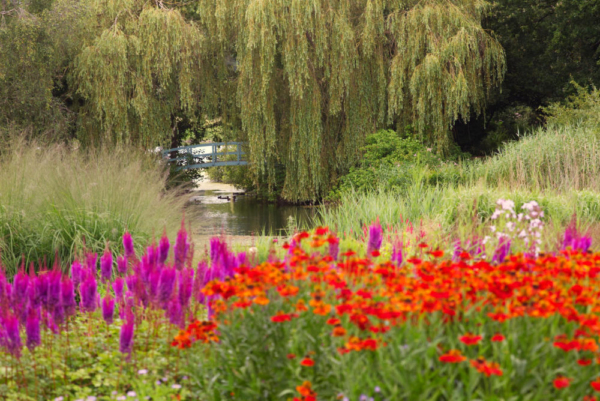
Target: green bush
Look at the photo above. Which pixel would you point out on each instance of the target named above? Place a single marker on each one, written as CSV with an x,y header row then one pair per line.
x,y
61,199
391,161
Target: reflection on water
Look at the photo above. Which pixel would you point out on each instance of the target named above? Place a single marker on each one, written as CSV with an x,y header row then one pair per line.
x,y
245,216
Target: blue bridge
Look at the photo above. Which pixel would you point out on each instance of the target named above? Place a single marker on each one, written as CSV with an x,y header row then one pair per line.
x,y
206,155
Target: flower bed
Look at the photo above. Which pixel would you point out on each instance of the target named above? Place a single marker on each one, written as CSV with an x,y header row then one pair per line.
x,y
312,322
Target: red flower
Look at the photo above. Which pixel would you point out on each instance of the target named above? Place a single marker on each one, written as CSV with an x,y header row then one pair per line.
x,y
584,362
596,384
333,321
414,261
561,382
307,362
291,356
437,253
470,339
375,253
452,356
497,338
281,317
589,398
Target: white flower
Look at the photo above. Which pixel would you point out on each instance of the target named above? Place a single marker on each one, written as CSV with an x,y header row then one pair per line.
x,y
520,217
486,239
523,234
493,228
91,398
121,398
496,214
176,386
142,371
59,398
510,225
131,394
531,206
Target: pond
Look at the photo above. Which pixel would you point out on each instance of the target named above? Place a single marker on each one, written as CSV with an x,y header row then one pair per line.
x,y
214,214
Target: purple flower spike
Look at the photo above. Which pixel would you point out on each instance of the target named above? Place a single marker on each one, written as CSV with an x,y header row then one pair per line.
x,y
166,285
375,238
126,338
106,262
175,314
32,329
118,287
53,299
13,336
122,265
91,260
88,294
397,256
584,244
42,289
186,280
502,251
67,293
163,249
334,248
128,245
20,285
182,247
108,309
76,273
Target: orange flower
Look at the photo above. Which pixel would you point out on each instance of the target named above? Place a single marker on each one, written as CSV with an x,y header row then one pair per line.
x,y
470,339
305,390
339,331
261,300
301,306
307,362
497,338
487,368
452,356
561,382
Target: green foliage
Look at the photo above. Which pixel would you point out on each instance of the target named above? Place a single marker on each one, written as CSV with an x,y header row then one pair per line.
x,y
548,43
393,162
85,361
63,199
581,108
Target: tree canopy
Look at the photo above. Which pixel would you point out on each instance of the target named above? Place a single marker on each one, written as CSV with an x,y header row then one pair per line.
x,y
313,78
302,82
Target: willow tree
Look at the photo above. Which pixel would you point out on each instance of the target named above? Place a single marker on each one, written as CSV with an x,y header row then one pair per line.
x,y
312,78
138,73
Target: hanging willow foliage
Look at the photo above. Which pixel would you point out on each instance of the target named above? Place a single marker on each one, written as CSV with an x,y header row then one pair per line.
x,y
314,77
138,72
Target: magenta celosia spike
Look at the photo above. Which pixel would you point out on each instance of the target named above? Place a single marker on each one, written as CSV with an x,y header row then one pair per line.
x,y
502,250
181,248
153,284
334,248
32,329
53,299
108,309
175,313
397,256
106,262
166,285
131,282
67,294
375,238
13,336
20,284
122,265
584,243
42,288
58,314
186,280
126,337
91,260
76,273
117,286
163,249
199,281
241,259
128,245
88,292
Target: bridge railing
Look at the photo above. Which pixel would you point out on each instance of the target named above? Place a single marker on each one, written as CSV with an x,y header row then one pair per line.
x,y
205,155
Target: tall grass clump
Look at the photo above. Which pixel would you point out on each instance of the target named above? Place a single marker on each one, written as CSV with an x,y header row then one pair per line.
x,y
57,200
561,158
